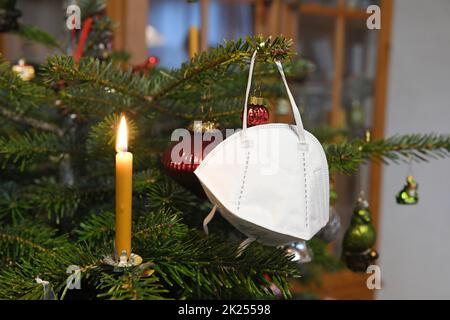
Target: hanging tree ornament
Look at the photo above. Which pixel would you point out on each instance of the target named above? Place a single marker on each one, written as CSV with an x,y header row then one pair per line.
x,y
257,111
150,63
180,159
359,239
9,15
300,252
25,71
331,230
409,194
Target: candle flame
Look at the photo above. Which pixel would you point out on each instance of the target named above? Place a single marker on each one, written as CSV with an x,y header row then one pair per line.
x,y
122,136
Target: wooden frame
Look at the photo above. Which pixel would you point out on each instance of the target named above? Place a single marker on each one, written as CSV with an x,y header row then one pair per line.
x,y
346,284
379,107
204,13
131,17
340,10
339,57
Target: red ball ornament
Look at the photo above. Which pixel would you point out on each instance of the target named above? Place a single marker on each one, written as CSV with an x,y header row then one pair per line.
x,y
145,67
180,163
152,61
257,112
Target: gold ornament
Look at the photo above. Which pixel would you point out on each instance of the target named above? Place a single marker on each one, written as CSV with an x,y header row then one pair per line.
x,y
24,71
255,100
203,126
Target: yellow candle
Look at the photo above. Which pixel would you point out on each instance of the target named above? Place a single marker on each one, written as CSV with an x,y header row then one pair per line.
x,y
193,41
124,172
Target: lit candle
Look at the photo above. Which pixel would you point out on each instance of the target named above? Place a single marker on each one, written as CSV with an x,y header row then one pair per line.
x,y
124,172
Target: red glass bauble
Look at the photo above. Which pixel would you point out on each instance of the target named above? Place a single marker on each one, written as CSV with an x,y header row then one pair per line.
x,y
180,164
256,114
148,65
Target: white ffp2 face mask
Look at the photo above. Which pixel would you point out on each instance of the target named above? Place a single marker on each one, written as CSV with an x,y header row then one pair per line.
x,y
269,181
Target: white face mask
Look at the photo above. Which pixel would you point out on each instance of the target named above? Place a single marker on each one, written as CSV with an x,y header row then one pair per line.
x,y
269,181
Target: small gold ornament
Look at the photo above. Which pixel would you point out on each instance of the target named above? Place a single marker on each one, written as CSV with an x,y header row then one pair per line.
x,y
203,126
368,136
256,100
24,71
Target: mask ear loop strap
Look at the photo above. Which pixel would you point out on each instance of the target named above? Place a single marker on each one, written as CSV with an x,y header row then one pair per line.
x,y
208,219
295,111
48,293
247,92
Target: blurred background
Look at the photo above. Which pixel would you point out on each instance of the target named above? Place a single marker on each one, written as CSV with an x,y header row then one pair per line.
x,y
389,81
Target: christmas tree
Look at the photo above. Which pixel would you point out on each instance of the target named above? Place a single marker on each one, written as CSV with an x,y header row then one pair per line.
x,y
57,138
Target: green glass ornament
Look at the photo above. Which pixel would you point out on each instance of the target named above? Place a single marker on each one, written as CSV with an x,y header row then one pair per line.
x,y
359,261
408,195
360,238
361,234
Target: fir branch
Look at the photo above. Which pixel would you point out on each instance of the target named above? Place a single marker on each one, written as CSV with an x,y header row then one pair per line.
x,y
183,261
32,122
232,51
130,287
21,96
102,135
92,7
18,281
177,261
185,258
97,228
165,194
54,200
44,198
39,36
12,206
149,93
24,239
100,74
7,238
24,148
347,156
